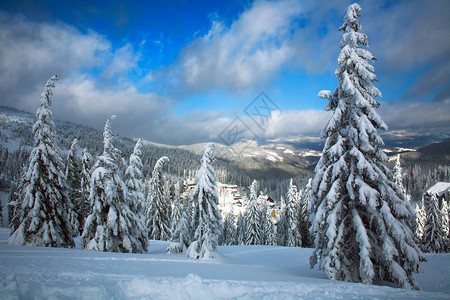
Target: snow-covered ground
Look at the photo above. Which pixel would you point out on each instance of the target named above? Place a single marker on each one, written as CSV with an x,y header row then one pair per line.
x,y
240,272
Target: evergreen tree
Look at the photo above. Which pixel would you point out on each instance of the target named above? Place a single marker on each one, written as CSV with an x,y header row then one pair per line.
x,y
359,215
294,234
398,175
229,230
445,220
86,165
283,226
304,215
241,229
181,236
134,181
420,223
158,222
269,229
12,201
434,238
42,205
206,218
112,226
263,211
135,186
180,239
177,207
253,219
74,183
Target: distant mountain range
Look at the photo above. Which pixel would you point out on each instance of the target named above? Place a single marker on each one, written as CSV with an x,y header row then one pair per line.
x,y
281,158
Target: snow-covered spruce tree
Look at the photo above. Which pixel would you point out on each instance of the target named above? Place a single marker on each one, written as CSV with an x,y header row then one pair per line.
x,y
13,198
269,229
112,226
294,237
177,207
398,175
398,179
181,236
283,226
445,220
86,165
304,215
134,181
253,219
42,207
420,223
157,214
74,182
434,238
168,196
358,214
228,232
206,218
241,229
263,210
135,186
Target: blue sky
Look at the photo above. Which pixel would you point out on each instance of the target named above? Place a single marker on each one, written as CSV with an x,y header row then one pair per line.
x,y
179,72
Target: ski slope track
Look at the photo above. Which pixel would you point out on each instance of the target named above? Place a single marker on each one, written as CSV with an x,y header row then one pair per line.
x,y
240,272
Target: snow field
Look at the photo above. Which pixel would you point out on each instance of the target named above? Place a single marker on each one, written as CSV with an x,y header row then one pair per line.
x,y
239,272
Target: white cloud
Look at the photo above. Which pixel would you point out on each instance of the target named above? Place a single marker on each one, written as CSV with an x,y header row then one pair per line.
x,y
123,60
297,122
236,58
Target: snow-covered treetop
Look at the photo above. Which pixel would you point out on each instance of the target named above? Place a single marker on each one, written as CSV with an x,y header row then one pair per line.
x,y
46,96
206,176
253,190
108,136
73,149
135,159
351,18
208,154
44,127
159,165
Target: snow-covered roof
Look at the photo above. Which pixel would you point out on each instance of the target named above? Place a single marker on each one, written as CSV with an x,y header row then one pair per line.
x,y
439,188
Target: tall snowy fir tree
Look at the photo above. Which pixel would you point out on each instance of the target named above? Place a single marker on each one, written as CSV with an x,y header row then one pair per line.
x,y
157,214
419,228
177,207
74,182
206,218
112,226
445,221
253,225
228,234
181,236
304,215
42,205
283,226
294,237
134,180
434,238
270,237
135,186
359,215
86,165
263,210
240,229
398,177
